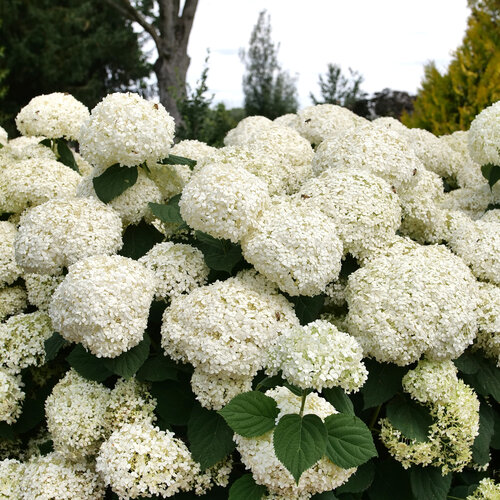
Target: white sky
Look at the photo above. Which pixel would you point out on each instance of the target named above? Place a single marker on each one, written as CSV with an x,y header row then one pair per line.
x,y
387,41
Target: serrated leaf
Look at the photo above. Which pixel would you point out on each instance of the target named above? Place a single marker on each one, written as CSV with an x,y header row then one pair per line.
x,y
339,400
251,414
210,438
299,442
245,488
360,480
114,181
390,478
481,446
220,255
174,401
87,365
178,160
487,380
409,417
427,483
53,345
66,155
468,363
491,173
127,363
349,441
384,381
166,213
307,309
139,239
157,369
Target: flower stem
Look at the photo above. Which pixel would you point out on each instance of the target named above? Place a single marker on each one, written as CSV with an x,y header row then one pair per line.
x,y
373,420
303,402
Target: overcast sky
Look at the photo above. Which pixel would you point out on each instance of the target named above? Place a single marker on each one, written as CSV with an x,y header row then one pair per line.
x,y
387,41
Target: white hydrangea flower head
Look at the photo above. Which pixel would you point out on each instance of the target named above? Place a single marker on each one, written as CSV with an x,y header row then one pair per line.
x,y
471,201
484,136
488,313
363,206
388,122
13,300
133,204
178,268
294,246
27,148
22,340
52,115
288,120
226,327
246,129
454,407
60,232
319,356
491,216
75,416
487,490
214,391
378,150
128,403
11,396
103,303
11,472
4,137
127,129
33,182
9,270
478,244
40,288
257,454
141,460
223,201
418,302
217,475
397,245
318,122
54,477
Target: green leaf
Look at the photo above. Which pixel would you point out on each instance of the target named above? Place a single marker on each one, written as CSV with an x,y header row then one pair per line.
x,y
46,142
178,160
350,442
307,309
339,400
299,442
390,480
52,346
360,480
326,495
6,431
495,440
33,412
220,255
468,363
245,488
409,417
210,438
481,446
270,382
127,363
491,173
174,401
487,379
251,414
66,155
88,365
166,213
463,491
114,181
157,369
384,381
139,239
427,483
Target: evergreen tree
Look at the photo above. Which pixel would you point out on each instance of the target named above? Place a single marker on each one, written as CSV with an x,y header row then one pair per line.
x,y
268,90
450,101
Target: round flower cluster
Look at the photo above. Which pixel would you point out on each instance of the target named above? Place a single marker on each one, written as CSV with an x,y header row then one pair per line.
x,y
53,115
226,327
59,233
484,136
380,151
103,303
488,316
125,128
11,472
471,201
318,356
223,201
11,396
33,182
54,476
141,460
133,204
22,340
288,120
316,123
178,268
487,490
363,206
26,148
13,300
257,454
294,246
418,302
4,137
454,407
40,288
9,270
246,130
